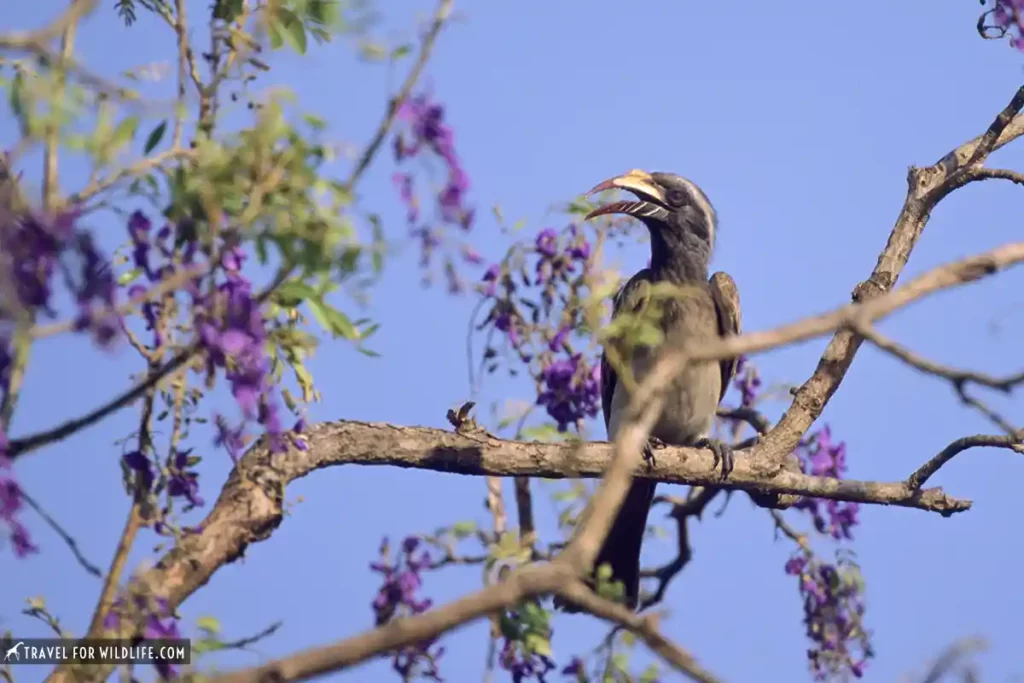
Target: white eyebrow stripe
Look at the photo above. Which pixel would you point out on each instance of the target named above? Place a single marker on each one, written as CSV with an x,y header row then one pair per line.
x,y
700,200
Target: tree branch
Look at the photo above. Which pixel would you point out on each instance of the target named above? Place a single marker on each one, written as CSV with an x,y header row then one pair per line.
x,y
1014,442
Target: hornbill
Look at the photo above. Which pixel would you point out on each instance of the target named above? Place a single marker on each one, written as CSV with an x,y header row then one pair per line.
x,y
682,225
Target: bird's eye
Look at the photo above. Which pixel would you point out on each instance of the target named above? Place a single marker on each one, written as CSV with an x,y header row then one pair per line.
x,y
676,197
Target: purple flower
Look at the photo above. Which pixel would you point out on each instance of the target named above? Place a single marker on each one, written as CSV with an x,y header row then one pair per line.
x,y
833,615
10,505
427,132
491,278
398,596
747,381
183,483
139,463
559,339
404,183
235,342
821,457
547,243
570,390
1007,15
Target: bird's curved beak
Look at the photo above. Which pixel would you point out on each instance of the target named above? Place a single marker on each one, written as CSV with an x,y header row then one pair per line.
x,y
640,183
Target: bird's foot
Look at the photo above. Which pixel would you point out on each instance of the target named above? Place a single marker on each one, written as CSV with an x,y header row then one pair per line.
x,y
653,443
722,452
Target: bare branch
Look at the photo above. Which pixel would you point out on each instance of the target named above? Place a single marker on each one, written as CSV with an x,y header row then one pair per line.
x,y
23,40
997,174
521,584
953,654
1014,442
644,627
694,506
68,539
955,375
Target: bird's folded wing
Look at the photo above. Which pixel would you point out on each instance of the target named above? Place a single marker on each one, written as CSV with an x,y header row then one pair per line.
x,y
630,297
727,306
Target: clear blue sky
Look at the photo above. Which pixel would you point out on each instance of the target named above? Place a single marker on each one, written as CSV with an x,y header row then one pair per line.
x,y
800,125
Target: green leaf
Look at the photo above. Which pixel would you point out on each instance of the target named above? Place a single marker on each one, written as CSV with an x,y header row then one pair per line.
x,y
368,352
125,132
227,10
293,31
154,137
332,320
376,254
130,276
463,529
544,432
274,30
650,674
323,12
210,624
538,644
400,51
295,290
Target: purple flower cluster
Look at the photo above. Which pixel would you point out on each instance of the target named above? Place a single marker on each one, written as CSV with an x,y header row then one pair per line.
x,y
160,624
569,386
398,597
182,482
833,615
143,243
1007,20
36,248
40,252
527,633
523,664
232,331
228,322
426,130
571,391
575,668
747,381
821,457
10,505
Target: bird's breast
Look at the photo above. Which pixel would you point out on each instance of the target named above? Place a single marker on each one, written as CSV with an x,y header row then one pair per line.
x,y
690,405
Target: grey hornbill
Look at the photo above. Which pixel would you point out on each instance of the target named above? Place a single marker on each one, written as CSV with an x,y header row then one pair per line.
x,y
682,225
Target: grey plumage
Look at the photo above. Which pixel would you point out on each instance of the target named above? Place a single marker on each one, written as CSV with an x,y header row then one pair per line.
x,y
682,224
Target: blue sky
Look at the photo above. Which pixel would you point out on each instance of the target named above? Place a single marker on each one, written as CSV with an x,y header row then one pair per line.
x,y
800,126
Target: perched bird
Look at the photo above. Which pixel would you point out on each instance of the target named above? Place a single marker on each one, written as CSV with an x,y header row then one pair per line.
x,y
682,225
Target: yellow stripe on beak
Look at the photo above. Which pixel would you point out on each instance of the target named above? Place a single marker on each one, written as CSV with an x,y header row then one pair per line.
x,y
636,181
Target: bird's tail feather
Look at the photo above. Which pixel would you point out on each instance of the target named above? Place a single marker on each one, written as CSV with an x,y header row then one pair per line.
x,y
621,547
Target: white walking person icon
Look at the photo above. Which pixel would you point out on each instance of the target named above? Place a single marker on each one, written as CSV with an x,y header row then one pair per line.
x,y
14,651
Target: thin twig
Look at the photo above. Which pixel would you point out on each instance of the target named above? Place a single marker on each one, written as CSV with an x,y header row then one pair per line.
x,y
996,174
444,9
132,524
166,286
68,539
1014,442
681,512
915,360
27,444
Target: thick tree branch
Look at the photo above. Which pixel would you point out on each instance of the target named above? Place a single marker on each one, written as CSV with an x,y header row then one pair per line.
x,y
926,187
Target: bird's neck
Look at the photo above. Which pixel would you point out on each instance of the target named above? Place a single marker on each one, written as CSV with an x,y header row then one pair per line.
x,y
679,258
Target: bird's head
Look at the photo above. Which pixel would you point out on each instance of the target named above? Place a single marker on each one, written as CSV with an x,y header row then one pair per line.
x,y
672,207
